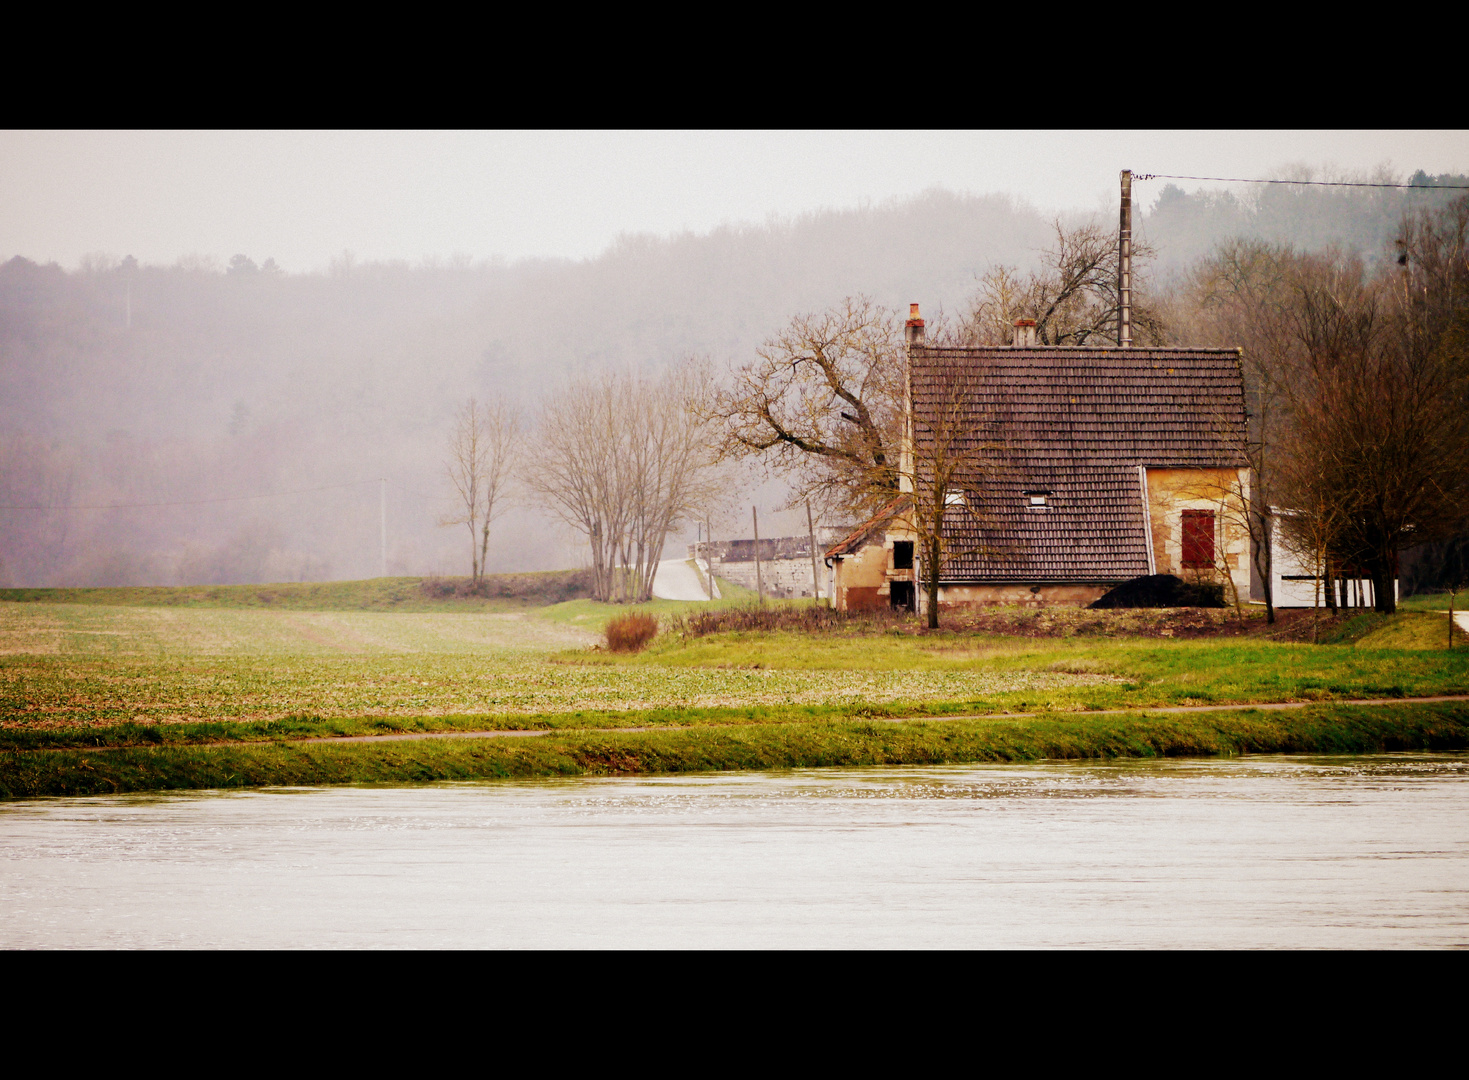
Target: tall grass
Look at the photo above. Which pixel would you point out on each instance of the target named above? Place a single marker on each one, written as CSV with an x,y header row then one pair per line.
x,y
806,617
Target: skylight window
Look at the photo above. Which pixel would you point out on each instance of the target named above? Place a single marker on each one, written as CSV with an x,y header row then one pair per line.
x,y
1037,498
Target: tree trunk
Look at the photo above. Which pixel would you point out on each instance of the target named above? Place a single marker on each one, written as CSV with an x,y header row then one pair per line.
x,y
1383,594
931,584
1267,571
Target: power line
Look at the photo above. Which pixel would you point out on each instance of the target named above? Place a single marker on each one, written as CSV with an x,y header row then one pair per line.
x,y
1310,183
197,502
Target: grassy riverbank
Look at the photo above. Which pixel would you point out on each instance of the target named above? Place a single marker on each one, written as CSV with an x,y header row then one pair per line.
x,y
135,696
1315,729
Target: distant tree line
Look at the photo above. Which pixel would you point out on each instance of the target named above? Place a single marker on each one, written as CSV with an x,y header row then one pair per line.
x,y
129,384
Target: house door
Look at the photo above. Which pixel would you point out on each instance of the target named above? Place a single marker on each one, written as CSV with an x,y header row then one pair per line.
x,y
901,595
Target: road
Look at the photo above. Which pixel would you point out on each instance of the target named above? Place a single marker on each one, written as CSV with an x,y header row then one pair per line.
x,y
675,580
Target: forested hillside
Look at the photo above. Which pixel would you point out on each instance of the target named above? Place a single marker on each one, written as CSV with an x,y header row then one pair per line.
x,y
137,385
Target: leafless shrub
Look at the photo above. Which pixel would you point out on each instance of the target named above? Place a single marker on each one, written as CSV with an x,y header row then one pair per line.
x,y
631,632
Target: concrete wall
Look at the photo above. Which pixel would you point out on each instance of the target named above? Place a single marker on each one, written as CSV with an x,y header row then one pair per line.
x,y
782,577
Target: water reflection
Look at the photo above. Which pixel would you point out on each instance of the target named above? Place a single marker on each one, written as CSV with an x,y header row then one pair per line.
x,y
1286,851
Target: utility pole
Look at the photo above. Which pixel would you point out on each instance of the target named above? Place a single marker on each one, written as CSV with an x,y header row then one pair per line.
x,y
709,554
1124,265
759,581
815,576
383,521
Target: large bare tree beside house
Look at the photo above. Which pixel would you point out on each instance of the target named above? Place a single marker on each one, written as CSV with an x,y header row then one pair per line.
x,y
482,456
822,403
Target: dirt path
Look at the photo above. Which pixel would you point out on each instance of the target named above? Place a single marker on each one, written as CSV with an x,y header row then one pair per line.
x,y
526,734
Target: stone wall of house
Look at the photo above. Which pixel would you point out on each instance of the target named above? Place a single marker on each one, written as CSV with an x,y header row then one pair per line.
x,y
862,577
952,596
1172,491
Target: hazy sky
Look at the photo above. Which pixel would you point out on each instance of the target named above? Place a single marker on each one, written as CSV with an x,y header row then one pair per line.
x,y
305,197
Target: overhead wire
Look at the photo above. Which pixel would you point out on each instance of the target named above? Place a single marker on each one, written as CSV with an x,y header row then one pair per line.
x,y
1310,183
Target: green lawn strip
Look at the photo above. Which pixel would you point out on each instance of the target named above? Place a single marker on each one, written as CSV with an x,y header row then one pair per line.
x,y
594,614
1434,601
316,727
1316,729
374,594
1411,630
1208,671
99,702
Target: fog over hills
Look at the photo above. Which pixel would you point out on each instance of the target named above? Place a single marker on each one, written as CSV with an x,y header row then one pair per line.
x,y
127,384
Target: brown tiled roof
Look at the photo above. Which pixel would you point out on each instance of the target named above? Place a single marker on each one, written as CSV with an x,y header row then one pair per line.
x,y
849,544
1077,423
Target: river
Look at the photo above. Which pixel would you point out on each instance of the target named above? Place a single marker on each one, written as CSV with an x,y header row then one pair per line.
x,y
1275,852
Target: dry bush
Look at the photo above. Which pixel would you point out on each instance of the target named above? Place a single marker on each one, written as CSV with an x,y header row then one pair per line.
x,y
630,632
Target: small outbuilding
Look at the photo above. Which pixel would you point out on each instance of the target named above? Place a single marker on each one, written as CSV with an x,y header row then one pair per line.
x,y
872,566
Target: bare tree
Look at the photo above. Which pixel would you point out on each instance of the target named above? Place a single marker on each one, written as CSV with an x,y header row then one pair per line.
x,y
1240,295
953,454
624,459
1358,393
1379,410
1072,298
483,452
822,404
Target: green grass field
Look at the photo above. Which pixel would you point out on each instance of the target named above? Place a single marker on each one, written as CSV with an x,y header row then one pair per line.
x,y
1435,602
167,670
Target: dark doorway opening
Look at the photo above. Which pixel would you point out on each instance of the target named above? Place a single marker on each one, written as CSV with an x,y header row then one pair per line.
x,y
902,595
902,554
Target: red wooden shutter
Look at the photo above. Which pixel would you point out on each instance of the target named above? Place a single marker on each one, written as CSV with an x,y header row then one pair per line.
x,y
1198,539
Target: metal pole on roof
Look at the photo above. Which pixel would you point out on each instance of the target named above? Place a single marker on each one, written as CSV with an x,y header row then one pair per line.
x,y
1124,265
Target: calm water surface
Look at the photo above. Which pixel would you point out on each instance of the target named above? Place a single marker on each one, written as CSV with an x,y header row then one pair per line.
x,y
1274,852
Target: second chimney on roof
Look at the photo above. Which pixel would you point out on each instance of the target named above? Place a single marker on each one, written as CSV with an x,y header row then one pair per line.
x,y
913,328
1024,333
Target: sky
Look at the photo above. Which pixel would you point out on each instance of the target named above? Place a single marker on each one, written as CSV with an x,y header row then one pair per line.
x,y
304,198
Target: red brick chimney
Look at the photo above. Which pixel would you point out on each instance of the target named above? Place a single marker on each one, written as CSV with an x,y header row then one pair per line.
x,y
914,327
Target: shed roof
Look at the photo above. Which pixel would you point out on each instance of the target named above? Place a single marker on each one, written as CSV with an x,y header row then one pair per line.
x,y
850,543
1075,423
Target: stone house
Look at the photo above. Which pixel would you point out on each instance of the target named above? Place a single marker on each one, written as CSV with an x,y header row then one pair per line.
x,y
1102,465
